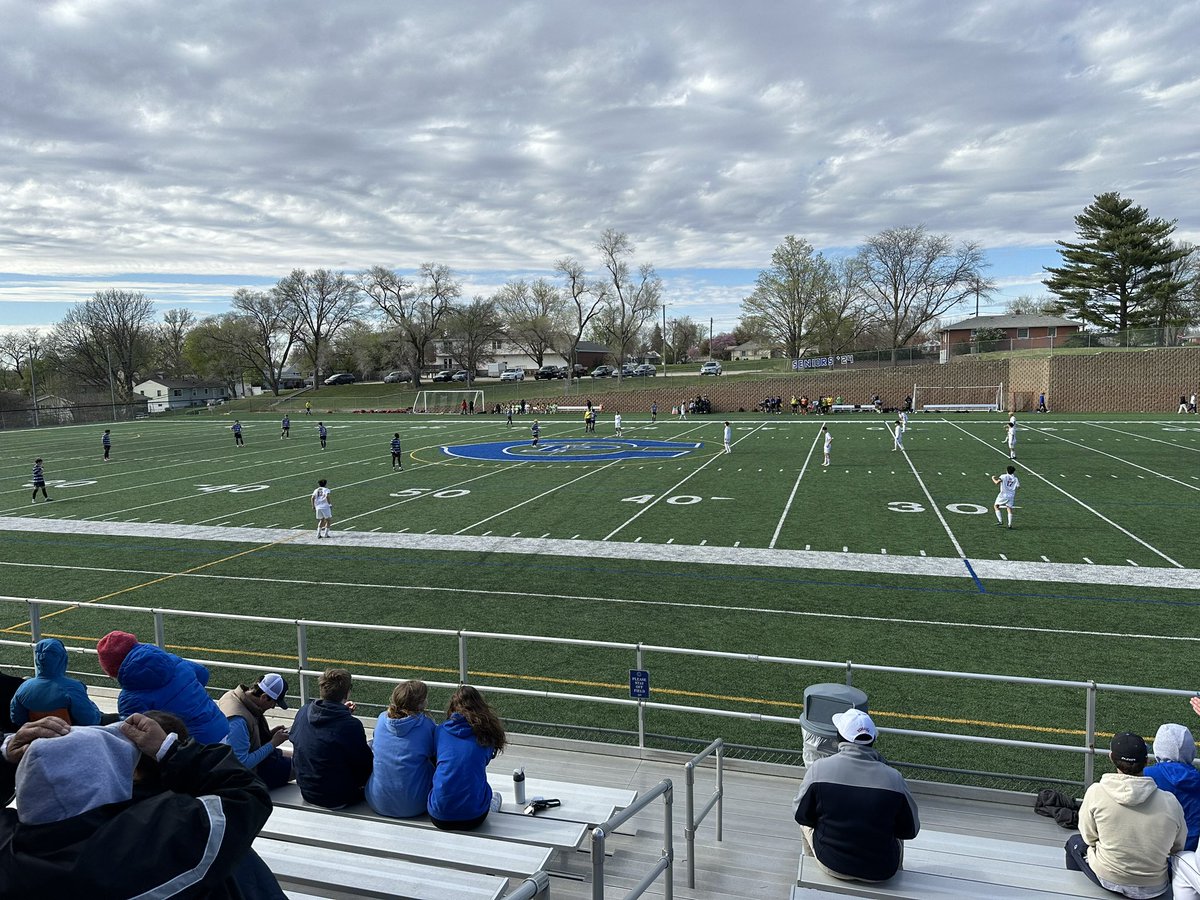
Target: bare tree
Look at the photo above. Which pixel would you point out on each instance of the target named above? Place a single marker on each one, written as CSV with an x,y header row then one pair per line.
x,y
786,293
909,277
470,333
838,316
416,307
632,297
322,302
271,327
215,349
14,349
584,299
682,335
110,334
533,316
170,337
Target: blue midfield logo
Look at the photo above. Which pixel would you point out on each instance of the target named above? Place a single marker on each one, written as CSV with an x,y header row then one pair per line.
x,y
580,450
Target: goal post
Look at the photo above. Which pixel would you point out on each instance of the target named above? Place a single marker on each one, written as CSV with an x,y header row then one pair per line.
x,y
989,396
447,402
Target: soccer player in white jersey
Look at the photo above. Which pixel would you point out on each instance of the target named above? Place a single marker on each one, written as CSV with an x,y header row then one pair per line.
x,y
727,436
1011,438
903,421
898,437
617,424
323,507
1008,494
828,442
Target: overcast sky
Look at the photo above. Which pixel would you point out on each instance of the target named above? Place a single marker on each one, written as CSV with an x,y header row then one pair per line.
x,y
187,149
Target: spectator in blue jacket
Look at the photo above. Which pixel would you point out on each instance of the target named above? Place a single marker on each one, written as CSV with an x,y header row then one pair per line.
x,y
405,750
152,678
1173,772
51,691
330,755
467,741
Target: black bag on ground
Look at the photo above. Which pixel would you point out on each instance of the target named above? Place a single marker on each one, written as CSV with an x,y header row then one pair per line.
x,y
1058,806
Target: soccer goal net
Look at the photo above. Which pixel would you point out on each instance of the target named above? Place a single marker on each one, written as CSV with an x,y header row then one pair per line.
x,y
448,402
972,398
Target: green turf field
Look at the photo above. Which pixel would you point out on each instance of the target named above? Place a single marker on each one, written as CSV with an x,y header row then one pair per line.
x,y
883,558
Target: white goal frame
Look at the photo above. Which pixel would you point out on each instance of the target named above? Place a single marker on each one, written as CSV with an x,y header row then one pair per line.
x,y
991,394
446,402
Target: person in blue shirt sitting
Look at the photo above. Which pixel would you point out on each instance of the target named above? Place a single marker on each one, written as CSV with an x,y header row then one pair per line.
x,y
467,741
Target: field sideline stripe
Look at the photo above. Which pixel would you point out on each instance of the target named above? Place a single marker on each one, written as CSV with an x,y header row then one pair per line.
x,y
940,567
1065,493
1144,437
1190,487
792,496
675,692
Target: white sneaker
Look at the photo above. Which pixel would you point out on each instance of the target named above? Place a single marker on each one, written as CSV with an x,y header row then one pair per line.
x,y
497,801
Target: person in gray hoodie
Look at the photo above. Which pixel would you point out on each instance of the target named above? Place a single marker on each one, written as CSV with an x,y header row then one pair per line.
x,y
51,691
1128,828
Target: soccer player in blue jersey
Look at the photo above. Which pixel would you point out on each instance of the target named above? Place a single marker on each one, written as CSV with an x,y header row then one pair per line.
x,y
285,428
536,429
39,481
323,433
106,442
397,463
236,428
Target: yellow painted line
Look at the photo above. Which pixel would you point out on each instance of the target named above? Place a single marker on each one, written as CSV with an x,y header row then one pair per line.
x,y
160,579
675,692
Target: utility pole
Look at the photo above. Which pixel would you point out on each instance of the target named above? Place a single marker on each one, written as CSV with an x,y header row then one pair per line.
x,y
710,337
664,340
112,392
33,381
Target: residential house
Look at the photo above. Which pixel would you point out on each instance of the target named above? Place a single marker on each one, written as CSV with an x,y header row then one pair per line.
x,y
1022,332
755,350
164,393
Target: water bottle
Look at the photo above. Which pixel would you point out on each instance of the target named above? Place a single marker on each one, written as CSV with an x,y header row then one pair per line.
x,y
519,785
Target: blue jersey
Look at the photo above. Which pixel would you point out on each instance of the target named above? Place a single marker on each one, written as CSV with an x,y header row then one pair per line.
x,y
535,429
287,423
237,428
395,445
39,477
321,431
106,440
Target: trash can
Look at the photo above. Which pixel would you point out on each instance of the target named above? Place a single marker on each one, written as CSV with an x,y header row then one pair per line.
x,y
821,703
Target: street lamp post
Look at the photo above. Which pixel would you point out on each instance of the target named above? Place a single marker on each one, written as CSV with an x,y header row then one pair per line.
x,y
33,348
664,340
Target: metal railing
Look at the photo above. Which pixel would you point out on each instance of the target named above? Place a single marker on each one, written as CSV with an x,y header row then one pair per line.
x,y
717,799
638,653
665,863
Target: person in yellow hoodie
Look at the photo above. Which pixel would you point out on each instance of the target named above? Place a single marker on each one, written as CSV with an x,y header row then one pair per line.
x,y
1127,827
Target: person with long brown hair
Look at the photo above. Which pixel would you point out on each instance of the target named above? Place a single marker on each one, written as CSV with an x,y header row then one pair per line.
x,y
467,741
404,754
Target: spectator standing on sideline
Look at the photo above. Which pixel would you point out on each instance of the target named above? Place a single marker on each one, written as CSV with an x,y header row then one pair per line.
x,y
253,741
285,427
329,746
1041,407
855,810
39,481
322,433
151,678
1173,772
51,692
1192,404
1127,826
405,751
236,428
1183,406
470,738
323,507
397,461
106,443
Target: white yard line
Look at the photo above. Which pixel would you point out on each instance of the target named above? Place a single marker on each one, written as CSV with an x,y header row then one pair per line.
x,y
676,486
683,554
932,505
792,496
429,493
1070,496
546,493
1190,487
1143,437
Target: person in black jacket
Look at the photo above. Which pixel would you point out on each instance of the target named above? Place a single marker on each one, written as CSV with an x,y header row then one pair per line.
x,y
330,755
79,828
854,809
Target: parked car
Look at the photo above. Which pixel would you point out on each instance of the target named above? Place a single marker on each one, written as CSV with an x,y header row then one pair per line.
x,y
550,372
627,370
444,375
602,372
341,378
512,375
460,375
396,377
711,368
578,370
645,369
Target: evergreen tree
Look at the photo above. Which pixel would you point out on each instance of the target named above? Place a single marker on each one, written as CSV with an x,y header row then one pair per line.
x,y
1122,273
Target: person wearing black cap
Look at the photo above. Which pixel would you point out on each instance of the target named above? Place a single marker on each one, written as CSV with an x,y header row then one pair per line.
x,y
254,742
855,810
1127,826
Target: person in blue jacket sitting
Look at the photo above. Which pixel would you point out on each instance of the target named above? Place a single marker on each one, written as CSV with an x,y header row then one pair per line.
x,y
51,691
1173,772
467,741
405,750
151,678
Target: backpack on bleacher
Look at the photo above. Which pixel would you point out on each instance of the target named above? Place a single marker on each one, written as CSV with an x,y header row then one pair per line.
x,y
1058,806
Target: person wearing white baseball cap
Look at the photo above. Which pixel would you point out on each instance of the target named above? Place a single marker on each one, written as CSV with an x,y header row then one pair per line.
x,y
254,742
855,810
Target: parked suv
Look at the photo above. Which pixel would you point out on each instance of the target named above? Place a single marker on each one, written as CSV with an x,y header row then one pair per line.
x,y
646,369
340,378
460,375
512,375
396,377
548,372
602,372
444,375
711,368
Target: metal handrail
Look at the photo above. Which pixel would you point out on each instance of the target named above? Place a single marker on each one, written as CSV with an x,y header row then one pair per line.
x,y
537,883
718,799
665,864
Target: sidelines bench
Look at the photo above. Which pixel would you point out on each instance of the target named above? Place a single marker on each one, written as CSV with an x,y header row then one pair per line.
x,y
960,407
940,864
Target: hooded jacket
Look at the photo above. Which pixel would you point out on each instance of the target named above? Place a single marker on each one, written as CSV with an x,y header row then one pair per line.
x,y
460,789
152,678
50,688
81,833
330,754
405,750
1174,750
1131,827
859,808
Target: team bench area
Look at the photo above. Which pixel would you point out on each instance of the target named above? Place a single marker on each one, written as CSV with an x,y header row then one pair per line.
x,y
959,407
